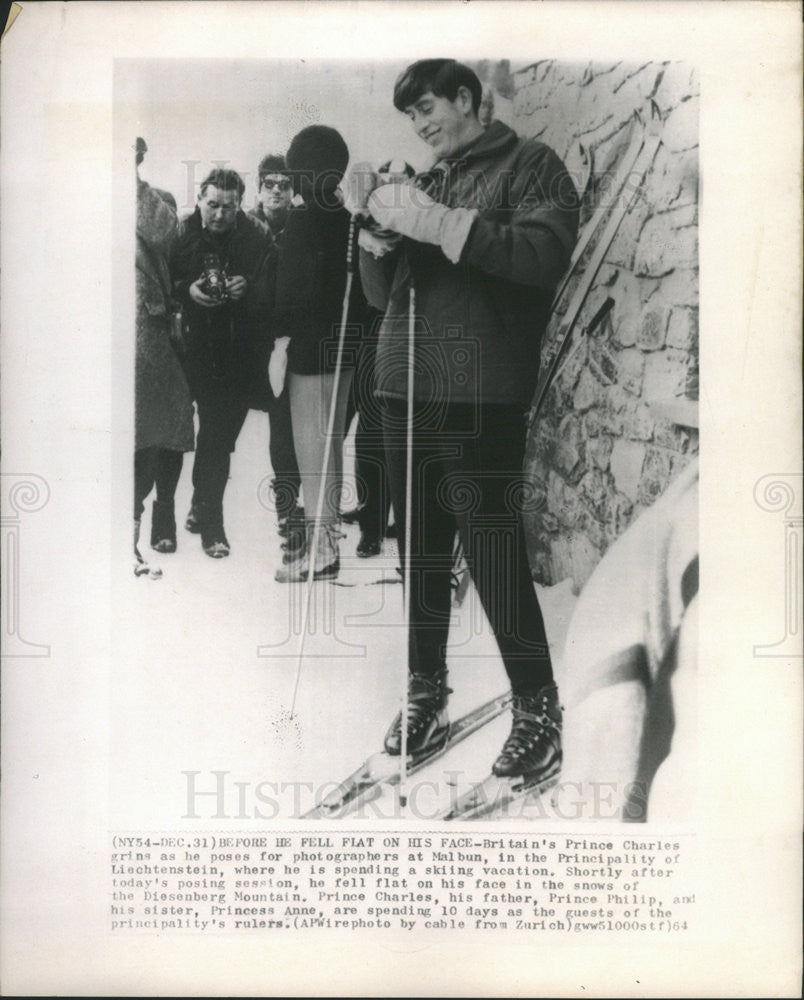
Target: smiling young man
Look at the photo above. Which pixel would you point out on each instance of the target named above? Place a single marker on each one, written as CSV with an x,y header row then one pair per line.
x,y
483,237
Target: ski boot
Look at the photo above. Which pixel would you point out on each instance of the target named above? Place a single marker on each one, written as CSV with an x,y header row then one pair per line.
x,y
295,535
141,567
213,538
533,748
428,725
163,526
368,546
293,517
327,562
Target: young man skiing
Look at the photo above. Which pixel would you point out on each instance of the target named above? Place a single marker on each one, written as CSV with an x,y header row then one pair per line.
x,y
483,238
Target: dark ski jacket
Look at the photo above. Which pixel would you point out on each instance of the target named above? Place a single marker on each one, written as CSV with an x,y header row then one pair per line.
x,y
310,286
232,342
479,322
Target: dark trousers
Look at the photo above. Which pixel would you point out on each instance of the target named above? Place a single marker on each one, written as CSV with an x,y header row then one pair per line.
x,y
371,473
286,481
155,467
467,474
222,411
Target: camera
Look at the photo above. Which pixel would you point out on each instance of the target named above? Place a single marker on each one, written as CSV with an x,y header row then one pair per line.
x,y
214,284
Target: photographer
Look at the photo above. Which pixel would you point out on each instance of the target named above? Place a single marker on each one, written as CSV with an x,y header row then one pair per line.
x,y
220,268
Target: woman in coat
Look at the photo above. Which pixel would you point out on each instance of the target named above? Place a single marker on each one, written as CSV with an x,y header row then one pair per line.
x,y
163,409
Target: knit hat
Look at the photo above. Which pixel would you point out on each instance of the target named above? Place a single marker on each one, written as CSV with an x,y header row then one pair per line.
x,y
317,156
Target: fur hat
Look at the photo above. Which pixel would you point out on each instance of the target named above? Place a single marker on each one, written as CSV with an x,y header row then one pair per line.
x,y
317,156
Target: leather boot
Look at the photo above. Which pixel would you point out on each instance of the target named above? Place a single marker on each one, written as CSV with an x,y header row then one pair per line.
x,y
327,563
428,725
533,747
163,526
213,538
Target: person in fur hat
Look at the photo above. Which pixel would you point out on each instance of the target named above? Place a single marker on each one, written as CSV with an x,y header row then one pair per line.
x,y
311,283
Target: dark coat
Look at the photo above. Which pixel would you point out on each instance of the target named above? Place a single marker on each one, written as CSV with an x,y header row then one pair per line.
x,y
230,344
163,409
480,321
310,286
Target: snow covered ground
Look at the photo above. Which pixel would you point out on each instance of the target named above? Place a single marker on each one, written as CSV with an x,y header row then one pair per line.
x,y
204,680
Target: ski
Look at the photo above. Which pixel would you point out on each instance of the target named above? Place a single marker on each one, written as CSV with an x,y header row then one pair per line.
x,y
495,795
627,162
633,176
366,783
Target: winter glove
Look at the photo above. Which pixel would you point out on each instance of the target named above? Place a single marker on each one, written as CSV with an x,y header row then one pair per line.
x,y
278,365
413,213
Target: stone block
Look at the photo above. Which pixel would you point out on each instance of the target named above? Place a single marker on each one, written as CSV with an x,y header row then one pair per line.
x,y
617,515
598,450
677,84
593,488
625,325
680,131
681,288
622,251
549,522
594,530
682,331
637,421
656,474
569,509
627,459
662,248
665,375
670,436
588,391
574,556
652,329
631,369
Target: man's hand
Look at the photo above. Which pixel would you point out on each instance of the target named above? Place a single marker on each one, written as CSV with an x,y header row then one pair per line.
x,y
405,209
200,297
236,287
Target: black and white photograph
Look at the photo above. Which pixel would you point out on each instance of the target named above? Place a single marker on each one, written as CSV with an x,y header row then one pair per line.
x,y
514,360
401,498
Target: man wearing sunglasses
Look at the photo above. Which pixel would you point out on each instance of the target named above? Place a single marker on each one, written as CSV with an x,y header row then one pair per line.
x,y
274,194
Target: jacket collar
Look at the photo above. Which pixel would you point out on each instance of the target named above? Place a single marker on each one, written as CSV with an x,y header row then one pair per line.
x,y
498,138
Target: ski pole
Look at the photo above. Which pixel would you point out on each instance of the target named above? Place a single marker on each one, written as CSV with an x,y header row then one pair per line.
x,y
403,759
319,510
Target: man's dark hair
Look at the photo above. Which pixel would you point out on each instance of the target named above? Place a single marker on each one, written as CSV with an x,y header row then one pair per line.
x,y
224,180
273,163
441,76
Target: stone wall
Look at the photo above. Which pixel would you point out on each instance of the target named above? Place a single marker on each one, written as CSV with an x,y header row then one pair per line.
x,y
621,420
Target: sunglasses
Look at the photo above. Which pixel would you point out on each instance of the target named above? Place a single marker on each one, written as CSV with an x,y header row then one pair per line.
x,y
269,185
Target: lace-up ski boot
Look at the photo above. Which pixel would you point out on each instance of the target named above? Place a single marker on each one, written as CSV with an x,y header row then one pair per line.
x,y
428,725
327,563
533,747
295,535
